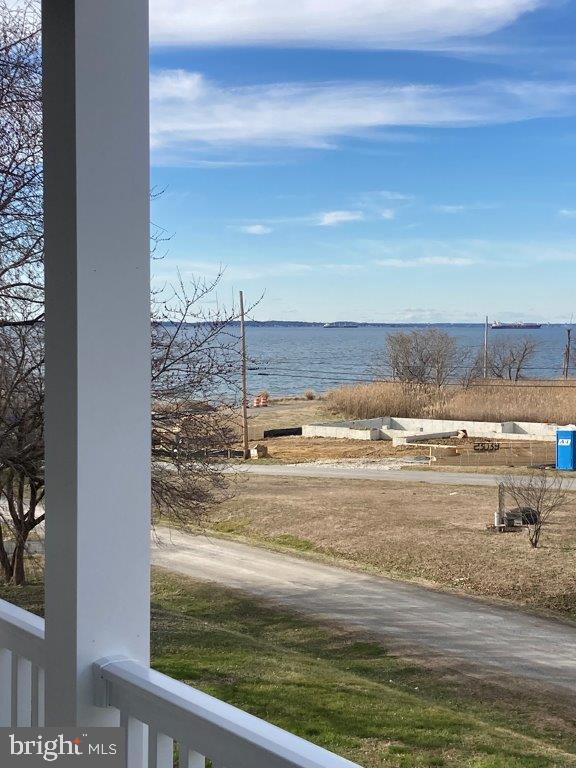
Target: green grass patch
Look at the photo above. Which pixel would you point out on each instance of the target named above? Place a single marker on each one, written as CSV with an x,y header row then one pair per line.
x,y
240,526
293,542
335,687
233,525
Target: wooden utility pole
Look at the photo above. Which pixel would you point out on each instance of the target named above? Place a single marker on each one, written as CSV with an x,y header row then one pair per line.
x,y
486,348
246,443
567,353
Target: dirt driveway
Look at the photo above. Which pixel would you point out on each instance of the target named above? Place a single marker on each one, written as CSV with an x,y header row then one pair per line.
x,y
481,636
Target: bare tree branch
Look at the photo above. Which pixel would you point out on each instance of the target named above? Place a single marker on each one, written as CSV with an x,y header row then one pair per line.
x,y
539,496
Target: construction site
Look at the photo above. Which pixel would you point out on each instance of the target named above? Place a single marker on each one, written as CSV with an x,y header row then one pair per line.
x,y
431,443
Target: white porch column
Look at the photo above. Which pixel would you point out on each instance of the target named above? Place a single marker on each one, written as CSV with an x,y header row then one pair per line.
x,y
97,345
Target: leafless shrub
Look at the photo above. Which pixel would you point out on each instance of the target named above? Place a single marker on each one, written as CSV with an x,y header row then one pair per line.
x,y
427,356
310,394
195,365
508,359
542,492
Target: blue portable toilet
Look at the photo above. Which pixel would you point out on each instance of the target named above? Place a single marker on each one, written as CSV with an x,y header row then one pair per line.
x,y
566,448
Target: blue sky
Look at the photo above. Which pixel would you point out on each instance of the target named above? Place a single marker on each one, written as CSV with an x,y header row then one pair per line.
x,y
376,160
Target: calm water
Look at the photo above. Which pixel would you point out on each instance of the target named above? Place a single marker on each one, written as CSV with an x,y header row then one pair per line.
x,y
291,360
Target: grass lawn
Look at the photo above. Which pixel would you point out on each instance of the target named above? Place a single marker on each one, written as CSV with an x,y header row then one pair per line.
x,y
339,689
431,533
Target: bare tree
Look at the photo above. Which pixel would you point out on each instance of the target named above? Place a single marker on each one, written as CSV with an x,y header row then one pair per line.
x,y
21,223
427,356
21,444
195,367
508,359
194,348
195,364
538,496
21,284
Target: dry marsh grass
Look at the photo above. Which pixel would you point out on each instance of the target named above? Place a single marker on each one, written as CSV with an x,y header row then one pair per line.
x,y
550,401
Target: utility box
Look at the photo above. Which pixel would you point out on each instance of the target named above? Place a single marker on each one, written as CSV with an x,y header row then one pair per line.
x,y
566,449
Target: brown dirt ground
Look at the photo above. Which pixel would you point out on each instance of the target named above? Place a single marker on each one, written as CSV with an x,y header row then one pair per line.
x,y
434,534
294,450
286,413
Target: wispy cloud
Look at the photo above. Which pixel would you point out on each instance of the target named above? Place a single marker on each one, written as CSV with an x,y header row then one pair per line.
x,y
463,252
450,208
463,208
358,23
229,163
246,270
567,213
191,114
426,261
333,218
256,229
255,270
378,204
376,197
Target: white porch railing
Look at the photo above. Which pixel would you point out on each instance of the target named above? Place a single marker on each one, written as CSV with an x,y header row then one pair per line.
x,y
167,722
22,665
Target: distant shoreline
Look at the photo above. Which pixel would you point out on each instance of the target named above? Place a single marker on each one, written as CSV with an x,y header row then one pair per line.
x,y
353,324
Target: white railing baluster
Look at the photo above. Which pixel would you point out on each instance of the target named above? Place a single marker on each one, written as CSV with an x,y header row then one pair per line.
x,y
14,691
191,759
152,747
5,688
41,697
165,751
24,708
160,750
35,697
135,740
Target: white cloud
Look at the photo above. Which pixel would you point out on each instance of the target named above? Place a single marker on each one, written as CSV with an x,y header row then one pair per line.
x,y
450,208
333,218
567,213
191,114
426,261
454,209
388,214
356,23
256,229
386,194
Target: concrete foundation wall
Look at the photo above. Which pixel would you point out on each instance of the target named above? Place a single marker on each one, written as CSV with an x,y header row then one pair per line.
x,y
326,430
402,430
